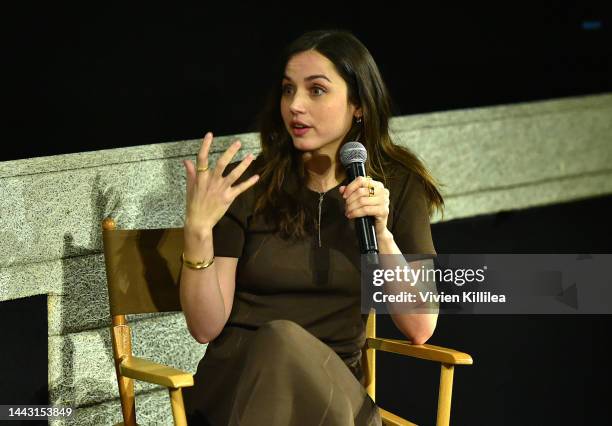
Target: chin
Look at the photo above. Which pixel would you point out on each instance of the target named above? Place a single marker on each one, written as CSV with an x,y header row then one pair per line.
x,y
305,145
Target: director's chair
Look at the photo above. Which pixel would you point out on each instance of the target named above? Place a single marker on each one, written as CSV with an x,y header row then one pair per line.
x,y
143,269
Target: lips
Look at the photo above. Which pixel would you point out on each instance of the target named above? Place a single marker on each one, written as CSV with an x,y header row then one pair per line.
x,y
299,128
299,131
298,123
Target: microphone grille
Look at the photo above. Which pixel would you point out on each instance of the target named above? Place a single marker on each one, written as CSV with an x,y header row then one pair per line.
x,y
353,152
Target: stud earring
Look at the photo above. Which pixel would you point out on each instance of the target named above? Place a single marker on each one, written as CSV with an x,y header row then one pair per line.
x,y
358,120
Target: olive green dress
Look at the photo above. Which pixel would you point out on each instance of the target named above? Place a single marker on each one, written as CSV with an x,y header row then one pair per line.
x,y
290,353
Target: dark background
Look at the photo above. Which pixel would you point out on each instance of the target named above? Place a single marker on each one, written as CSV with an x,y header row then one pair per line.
x,y
82,78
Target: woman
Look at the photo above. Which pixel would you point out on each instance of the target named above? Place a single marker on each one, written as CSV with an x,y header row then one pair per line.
x,y
271,262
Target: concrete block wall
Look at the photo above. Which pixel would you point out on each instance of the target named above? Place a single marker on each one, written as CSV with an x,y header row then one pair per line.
x,y
488,159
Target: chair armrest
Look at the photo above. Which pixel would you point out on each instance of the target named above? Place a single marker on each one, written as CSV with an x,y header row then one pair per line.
x,y
390,419
429,352
152,372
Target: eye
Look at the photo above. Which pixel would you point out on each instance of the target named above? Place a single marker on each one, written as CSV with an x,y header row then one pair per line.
x,y
287,89
318,90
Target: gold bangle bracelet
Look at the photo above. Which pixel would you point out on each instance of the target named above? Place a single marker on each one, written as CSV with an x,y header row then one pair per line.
x,y
197,265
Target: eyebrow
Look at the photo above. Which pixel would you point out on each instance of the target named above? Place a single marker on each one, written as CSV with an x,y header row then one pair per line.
x,y
311,77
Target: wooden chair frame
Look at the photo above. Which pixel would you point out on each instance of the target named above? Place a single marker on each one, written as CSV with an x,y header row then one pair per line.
x,y
130,368
448,358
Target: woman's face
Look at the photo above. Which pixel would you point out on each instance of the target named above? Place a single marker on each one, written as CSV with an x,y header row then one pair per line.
x,y
314,104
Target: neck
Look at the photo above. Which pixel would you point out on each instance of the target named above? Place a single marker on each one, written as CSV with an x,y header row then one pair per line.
x,y
322,172
323,183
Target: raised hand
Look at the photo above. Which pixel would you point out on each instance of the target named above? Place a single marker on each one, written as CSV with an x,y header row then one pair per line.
x,y
209,193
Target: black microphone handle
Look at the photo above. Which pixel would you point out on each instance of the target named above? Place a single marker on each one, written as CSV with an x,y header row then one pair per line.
x,y
364,226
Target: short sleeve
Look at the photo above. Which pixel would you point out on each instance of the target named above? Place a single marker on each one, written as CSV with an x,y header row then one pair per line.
x,y
410,225
230,232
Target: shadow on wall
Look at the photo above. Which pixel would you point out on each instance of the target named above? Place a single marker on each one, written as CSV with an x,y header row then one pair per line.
x,y
136,195
84,314
83,310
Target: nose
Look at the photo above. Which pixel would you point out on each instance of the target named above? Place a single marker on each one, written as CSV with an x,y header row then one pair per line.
x,y
297,103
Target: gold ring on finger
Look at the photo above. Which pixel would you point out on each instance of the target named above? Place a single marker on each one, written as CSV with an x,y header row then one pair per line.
x,y
370,186
202,169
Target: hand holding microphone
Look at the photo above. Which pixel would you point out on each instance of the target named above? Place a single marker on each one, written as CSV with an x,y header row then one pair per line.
x,y
367,200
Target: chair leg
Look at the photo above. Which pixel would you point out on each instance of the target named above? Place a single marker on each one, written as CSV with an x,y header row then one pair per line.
x,y
128,401
445,394
370,372
122,348
178,407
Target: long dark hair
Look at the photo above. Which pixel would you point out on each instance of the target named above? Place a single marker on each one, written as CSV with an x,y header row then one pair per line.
x,y
282,162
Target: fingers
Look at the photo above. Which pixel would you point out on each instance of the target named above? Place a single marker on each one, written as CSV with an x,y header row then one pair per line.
x,y
372,206
375,210
360,198
202,161
359,182
364,191
190,173
226,158
189,170
357,194
359,203
194,176
239,169
243,186
204,150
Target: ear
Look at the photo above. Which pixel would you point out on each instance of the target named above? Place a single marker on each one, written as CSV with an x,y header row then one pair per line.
x,y
358,112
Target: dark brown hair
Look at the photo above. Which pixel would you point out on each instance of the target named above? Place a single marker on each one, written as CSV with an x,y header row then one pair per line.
x,y
366,89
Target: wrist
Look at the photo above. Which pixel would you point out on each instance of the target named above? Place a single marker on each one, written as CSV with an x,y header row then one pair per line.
x,y
385,236
385,241
197,233
197,243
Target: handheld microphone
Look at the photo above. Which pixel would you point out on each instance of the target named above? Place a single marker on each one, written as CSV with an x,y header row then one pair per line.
x,y
353,156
